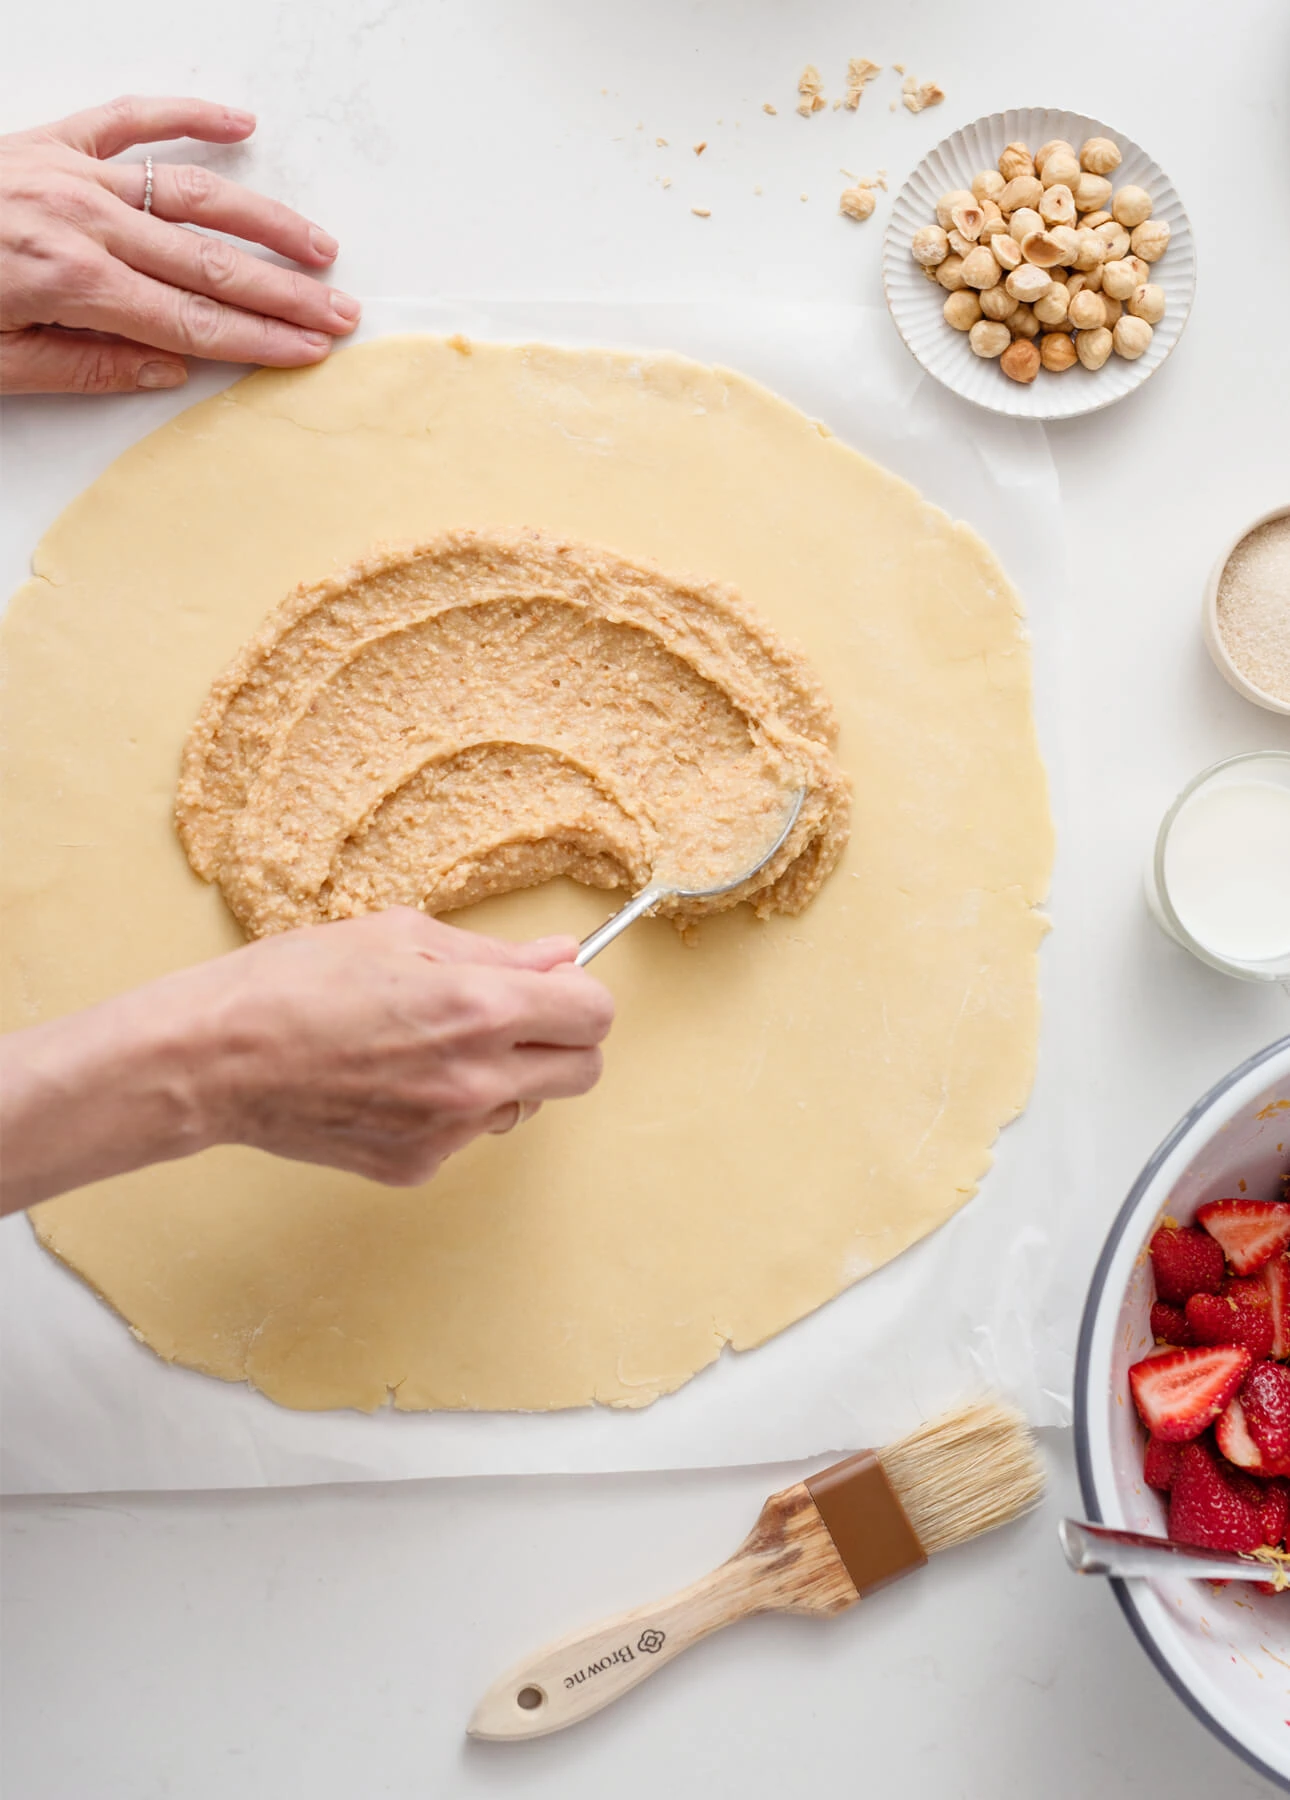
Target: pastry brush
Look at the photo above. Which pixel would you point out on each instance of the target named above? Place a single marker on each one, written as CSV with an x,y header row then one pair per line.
x,y
818,1547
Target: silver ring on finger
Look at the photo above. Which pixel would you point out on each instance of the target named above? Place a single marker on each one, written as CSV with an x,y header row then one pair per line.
x,y
147,184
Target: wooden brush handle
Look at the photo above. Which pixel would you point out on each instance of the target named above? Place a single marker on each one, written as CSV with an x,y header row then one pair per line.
x,y
787,1564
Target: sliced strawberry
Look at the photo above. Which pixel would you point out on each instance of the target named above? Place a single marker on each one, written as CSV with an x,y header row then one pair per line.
x,y
1159,1463
1232,1435
1250,1232
1265,1396
1185,1261
1275,1276
1241,1314
1179,1392
1169,1324
1215,1505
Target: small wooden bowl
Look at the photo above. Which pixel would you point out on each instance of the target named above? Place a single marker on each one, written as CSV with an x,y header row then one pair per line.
x,y
1209,621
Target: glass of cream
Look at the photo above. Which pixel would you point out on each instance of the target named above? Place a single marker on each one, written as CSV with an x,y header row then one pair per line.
x,y
1219,881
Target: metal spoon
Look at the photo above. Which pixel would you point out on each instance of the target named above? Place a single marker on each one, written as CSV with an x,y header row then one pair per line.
x,y
1096,1550
657,891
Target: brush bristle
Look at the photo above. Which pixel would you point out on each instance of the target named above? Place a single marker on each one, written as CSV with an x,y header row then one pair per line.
x,y
965,1473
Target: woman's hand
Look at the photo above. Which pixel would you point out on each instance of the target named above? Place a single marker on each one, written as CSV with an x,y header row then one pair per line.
x,y
97,296
379,1045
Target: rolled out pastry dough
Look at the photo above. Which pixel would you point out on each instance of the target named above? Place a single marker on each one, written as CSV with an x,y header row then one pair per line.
x,y
785,1107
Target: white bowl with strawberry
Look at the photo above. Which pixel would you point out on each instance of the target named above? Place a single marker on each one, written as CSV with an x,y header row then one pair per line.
x,y
1182,1399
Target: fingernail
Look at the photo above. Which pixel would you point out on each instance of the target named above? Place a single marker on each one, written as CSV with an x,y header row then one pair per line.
x,y
316,340
161,375
345,306
244,121
321,243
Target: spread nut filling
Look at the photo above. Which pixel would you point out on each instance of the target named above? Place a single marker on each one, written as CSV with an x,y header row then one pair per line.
x,y
492,709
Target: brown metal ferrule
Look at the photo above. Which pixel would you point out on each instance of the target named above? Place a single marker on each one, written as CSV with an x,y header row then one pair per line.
x,y
870,1529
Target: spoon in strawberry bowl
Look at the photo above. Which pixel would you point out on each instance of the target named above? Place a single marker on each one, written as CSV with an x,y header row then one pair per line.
x,y
1097,1550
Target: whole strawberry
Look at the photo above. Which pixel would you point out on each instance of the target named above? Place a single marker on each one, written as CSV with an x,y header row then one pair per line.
x,y
1241,1314
1213,1505
1185,1261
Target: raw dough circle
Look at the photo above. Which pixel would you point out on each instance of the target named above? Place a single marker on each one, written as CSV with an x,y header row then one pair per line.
x,y
785,1108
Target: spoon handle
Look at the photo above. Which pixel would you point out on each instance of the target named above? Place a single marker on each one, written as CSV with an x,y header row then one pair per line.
x,y
1096,1550
645,901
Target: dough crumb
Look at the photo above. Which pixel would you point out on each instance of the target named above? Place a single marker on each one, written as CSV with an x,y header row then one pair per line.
x,y
899,68
462,345
661,142
700,148
756,190
919,94
701,212
667,181
860,72
811,88
768,108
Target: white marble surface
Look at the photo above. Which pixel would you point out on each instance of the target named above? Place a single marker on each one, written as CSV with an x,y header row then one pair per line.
x,y
330,1642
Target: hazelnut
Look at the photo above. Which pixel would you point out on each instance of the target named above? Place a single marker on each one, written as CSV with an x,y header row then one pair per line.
x,y
1024,220
1050,308
1088,248
1093,279
1099,156
962,310
958,243
1046,150
1119,278
1020,360
1091,221
1114,311
1023,323
1015,160
988,185
1092,192
1093,347
950,273
1131,337
1022,190
995,226
989,338
1150,240
1147,302
1087,311
1006,251
1075,282
1040,248
948,201
1057,207
980,270
1028,283
1061,169
929,246
1116,239
1056,351
968,219
1067,238
1131,205
998,303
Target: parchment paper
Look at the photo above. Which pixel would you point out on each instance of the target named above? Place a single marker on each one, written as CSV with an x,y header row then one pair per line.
x,y
985,1300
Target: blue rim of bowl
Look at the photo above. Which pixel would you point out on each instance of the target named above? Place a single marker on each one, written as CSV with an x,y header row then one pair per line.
x,y
1083,1464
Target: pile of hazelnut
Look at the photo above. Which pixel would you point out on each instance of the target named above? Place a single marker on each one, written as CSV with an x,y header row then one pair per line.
x,y
1044,264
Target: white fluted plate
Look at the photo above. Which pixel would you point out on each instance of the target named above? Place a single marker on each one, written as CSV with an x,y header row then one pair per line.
x,y
916,303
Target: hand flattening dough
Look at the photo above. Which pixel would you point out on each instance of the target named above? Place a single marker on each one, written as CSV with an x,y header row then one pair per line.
x,y
493,709
784,1109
